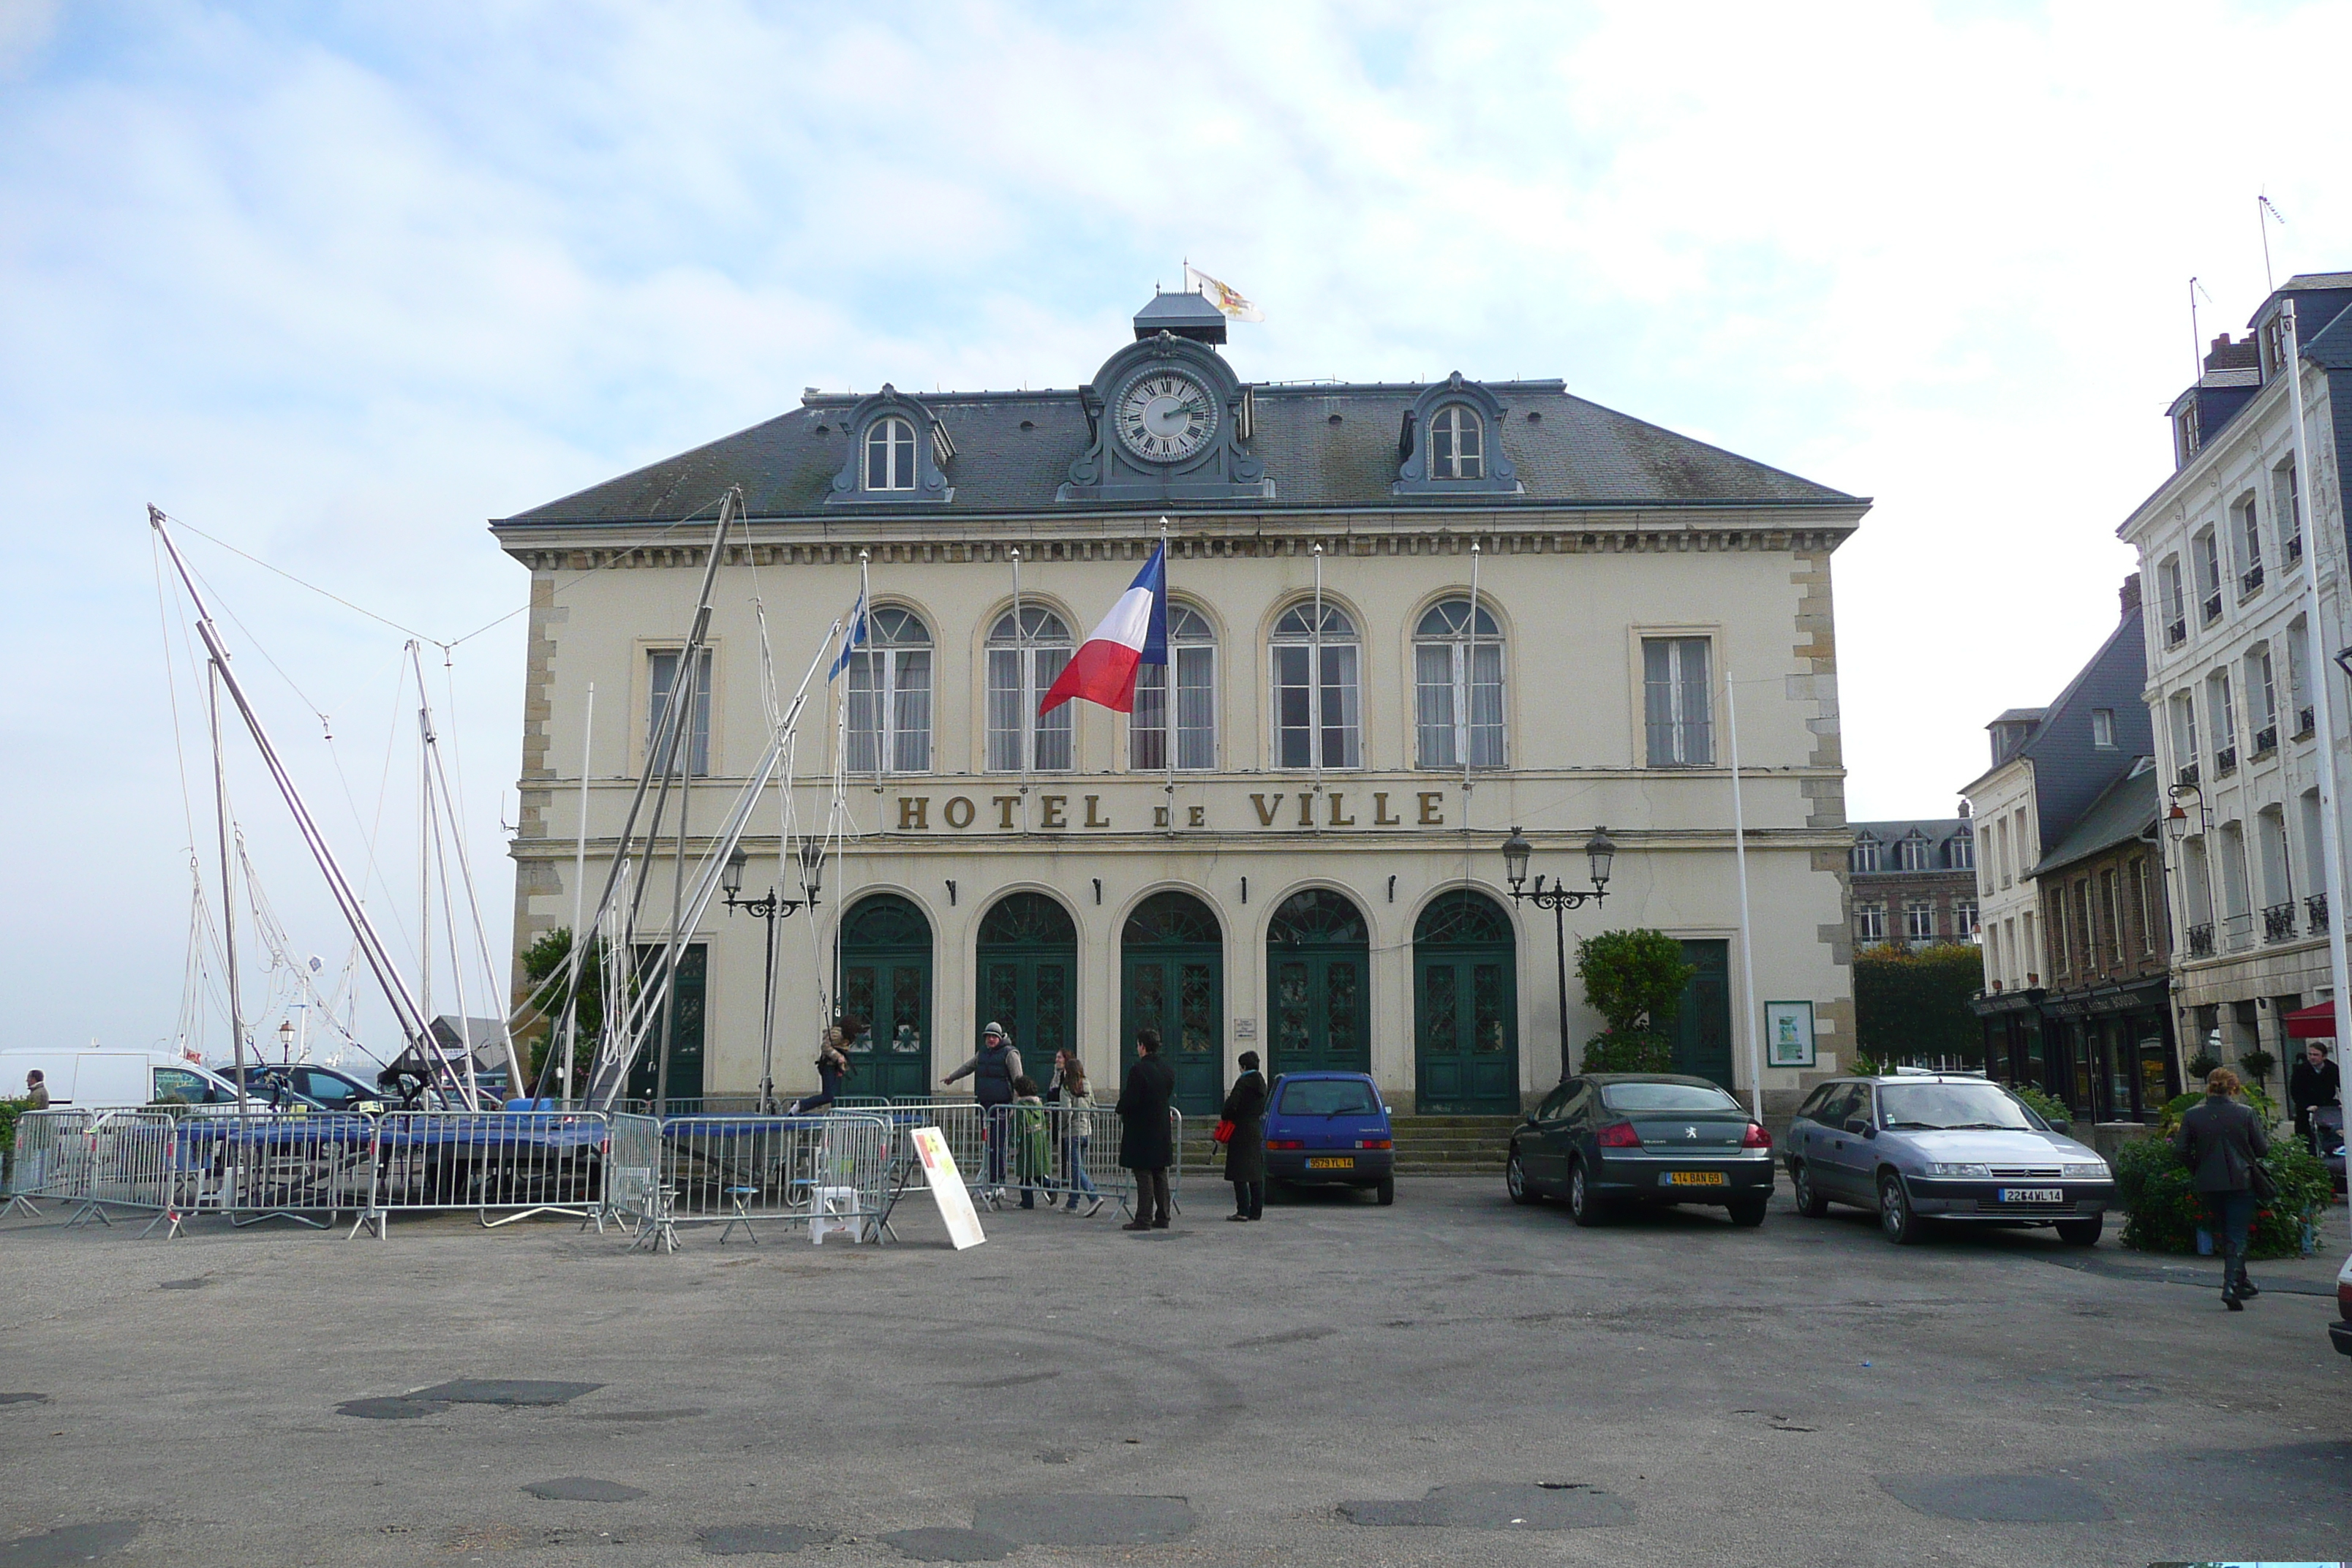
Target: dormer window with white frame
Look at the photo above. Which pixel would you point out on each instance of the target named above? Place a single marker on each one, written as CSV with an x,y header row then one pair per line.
x,y
1863,855
1911,852
890,455
1457,444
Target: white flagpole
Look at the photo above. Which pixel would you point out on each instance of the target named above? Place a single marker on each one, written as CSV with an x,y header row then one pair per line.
x,y
563,1038
2331,837
1315,684
1022,667
1167,684
1747,942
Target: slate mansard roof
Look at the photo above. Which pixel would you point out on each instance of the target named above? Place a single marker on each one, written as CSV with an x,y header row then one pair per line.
x,y
1324,447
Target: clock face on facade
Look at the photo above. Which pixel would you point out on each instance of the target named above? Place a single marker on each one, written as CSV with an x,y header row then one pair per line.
x,y
1165,416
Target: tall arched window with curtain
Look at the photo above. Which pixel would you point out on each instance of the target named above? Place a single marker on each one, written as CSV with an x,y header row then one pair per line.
x,y
1458,686
1023,658
890,696
1193,663
1457,444
1316,712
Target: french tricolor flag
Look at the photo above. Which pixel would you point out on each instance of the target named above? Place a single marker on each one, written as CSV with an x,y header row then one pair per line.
x,y
1135,633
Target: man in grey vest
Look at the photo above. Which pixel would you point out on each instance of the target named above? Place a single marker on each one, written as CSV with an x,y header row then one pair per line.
x,y
992,1070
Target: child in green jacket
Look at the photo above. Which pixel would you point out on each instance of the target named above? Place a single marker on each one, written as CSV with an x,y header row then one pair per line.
x,y
1033,1142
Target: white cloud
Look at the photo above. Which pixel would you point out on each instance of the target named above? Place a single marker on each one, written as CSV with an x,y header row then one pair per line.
x,y
339,284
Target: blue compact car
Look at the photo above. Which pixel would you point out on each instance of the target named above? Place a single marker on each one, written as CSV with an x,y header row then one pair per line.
x,y
1330,1129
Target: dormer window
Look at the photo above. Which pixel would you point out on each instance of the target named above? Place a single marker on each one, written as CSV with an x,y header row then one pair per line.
x,y
1457,444
890,455
899,453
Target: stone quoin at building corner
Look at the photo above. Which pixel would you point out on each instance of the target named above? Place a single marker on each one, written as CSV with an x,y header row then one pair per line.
x,y
1527,608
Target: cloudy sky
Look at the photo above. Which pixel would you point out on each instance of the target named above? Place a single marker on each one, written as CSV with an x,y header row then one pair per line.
x,y
335,284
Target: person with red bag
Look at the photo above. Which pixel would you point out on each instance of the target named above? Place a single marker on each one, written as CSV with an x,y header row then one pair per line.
x,y
1242,1133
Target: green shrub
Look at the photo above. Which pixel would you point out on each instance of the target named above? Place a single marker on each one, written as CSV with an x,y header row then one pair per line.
x,y
1911,1005
1638,1050
2047,1106
1633,978
2163,1212
2203,1062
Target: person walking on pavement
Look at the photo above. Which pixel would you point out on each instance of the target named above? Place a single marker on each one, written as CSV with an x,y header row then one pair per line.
x,y
1078,1134
1245,1107
1146,1146
2313,1082
992,1070
2222,1143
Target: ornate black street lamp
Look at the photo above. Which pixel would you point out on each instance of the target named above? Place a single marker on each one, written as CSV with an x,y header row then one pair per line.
x,y
772,908
1599,853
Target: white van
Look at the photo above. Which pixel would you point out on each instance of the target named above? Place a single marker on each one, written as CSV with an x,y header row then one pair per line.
x,y
94,1079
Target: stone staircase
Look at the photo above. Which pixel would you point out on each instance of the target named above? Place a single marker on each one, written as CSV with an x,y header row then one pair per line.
x,y
1425,1145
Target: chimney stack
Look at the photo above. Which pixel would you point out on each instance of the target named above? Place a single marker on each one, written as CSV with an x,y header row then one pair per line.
x,y
2130,596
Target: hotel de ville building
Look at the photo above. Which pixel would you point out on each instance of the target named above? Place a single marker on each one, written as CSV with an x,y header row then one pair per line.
x,y
1403,619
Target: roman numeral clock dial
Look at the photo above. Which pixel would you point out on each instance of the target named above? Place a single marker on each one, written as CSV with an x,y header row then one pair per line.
x,y
1165,416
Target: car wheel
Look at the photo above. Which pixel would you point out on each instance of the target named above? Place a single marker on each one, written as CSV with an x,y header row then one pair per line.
x,y
1895,1216
1809,1203
1386,1191
1583,1202
2082,1232
1515,1178
1749,1213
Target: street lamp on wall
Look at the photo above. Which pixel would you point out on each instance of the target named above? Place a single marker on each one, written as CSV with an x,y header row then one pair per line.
x,y
1600,854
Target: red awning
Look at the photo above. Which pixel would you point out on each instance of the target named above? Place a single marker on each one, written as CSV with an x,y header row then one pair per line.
x,y
2312,1023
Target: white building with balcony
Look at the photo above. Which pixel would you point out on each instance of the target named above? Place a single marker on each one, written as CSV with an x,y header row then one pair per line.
x,y
2230,684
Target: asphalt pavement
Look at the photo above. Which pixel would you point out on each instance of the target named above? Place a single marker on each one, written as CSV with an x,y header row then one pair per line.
x,y
1452,1380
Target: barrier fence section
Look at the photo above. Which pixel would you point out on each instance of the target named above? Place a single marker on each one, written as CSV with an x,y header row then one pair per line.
x,y
50,1159
518,1161
826,1171
1052,1153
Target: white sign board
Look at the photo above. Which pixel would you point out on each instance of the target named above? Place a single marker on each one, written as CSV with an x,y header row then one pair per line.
x,y
940,1174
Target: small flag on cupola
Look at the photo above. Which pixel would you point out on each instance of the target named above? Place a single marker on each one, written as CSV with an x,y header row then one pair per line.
x,y
1225,298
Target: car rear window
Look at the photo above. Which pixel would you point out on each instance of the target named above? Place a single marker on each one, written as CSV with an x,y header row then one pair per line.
x,y
1665,1097
1328,1097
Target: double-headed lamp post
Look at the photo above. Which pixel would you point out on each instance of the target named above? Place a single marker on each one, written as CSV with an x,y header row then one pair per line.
x,y
1599,852
772,908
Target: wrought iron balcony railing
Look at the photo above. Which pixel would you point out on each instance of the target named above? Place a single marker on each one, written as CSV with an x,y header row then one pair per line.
x,y
2212,606
2250,581
2201,939
2176,633
2188,774
2315,908
2266,741
2225,762
2278,921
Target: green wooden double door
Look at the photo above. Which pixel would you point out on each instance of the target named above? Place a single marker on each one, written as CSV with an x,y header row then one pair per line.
x,y
1171,979
685,1042
1028,974
1465,1008
1317,975
886,980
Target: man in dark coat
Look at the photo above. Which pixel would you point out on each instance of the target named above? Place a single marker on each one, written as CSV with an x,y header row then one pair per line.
x,y
1246,1150
992,1070
2222,1143
1145,1145
2313,1082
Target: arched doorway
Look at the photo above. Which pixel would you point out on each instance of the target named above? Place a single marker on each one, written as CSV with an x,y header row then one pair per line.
x,y
1318,963
1465,1008
1171,977
1028,973
885,979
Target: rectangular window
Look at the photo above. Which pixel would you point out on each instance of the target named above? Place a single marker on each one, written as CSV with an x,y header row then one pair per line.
x,y
2262,691
1458,704
1964,919
2008,863
2029,956
2108,911
1911,854
2207,553
661,676
1018,679
1677,697
1963,851
2103,728
2184,736
2298,690
1869,924
889,711
2247,529
2286,501
1296,698
2139,904
2175,605
2220,715
1196,722
1918,921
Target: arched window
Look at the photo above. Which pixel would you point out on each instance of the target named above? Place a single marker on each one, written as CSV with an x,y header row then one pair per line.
x,y
890,696
890,454
1022,660
1316,711
1457,672
1192,655
1457,444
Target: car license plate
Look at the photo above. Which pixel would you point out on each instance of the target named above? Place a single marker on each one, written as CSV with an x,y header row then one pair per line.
x,y
1697,1179
2031,1194
1333,1163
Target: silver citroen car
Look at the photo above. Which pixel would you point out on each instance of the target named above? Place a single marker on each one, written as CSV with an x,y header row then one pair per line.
x,y
1944,1146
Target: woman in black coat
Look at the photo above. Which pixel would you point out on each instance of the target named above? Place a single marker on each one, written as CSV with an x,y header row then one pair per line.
x,y
1145,1144
1246,1150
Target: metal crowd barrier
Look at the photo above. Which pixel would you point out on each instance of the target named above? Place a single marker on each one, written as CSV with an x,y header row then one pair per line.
x,y
1077,1155
825,1171
49,1160
521,1162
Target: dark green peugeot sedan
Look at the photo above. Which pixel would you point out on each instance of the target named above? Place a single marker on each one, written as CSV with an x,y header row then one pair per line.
x,y
1608,1140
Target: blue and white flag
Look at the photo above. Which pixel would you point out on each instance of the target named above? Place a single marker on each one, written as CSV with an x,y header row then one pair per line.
x,y
853,641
